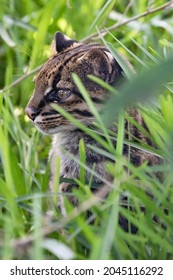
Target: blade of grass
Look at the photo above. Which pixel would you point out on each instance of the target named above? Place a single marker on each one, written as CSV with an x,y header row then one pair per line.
x,y
141,89
41,31
102,248
82,157
80,125
130,52
153,58
102,14
37,252
91,106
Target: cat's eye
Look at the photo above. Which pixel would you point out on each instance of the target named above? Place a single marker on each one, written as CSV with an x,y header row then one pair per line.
x,y
63,94
58,96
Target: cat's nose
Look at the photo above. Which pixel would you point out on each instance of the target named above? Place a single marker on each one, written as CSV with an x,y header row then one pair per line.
x,y
31,112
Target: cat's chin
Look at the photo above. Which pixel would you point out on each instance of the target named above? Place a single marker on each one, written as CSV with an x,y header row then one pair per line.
x,y
55,130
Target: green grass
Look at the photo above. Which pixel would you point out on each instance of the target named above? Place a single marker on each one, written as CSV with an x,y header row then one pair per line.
x,y
26,232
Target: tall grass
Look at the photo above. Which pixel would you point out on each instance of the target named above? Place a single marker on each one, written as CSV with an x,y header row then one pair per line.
x,y
26,231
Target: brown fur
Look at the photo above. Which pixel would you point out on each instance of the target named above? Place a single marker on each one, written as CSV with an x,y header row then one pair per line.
x,y
54,84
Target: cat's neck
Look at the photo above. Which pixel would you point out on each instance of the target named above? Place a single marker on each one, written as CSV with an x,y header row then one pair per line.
x,y
67,142
66,146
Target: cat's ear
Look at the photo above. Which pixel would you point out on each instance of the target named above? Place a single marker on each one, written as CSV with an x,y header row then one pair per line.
x,y
63,42
102,64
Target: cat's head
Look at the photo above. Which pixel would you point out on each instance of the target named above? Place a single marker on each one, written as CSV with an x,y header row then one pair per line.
x,y
54,83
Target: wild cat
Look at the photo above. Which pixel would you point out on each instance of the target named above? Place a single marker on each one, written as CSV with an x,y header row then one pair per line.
x,y
54,85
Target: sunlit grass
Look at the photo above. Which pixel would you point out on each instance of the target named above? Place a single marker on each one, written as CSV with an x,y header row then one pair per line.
x,y
26,230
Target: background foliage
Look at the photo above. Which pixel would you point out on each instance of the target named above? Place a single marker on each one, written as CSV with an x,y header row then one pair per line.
x,y
26,31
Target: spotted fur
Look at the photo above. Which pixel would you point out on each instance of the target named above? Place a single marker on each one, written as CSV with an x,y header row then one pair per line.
x,y
54,84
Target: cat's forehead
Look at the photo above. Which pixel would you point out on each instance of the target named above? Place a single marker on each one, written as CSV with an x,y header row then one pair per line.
x,y
51,67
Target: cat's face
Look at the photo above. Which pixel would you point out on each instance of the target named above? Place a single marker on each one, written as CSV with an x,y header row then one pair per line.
x,y
54,83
